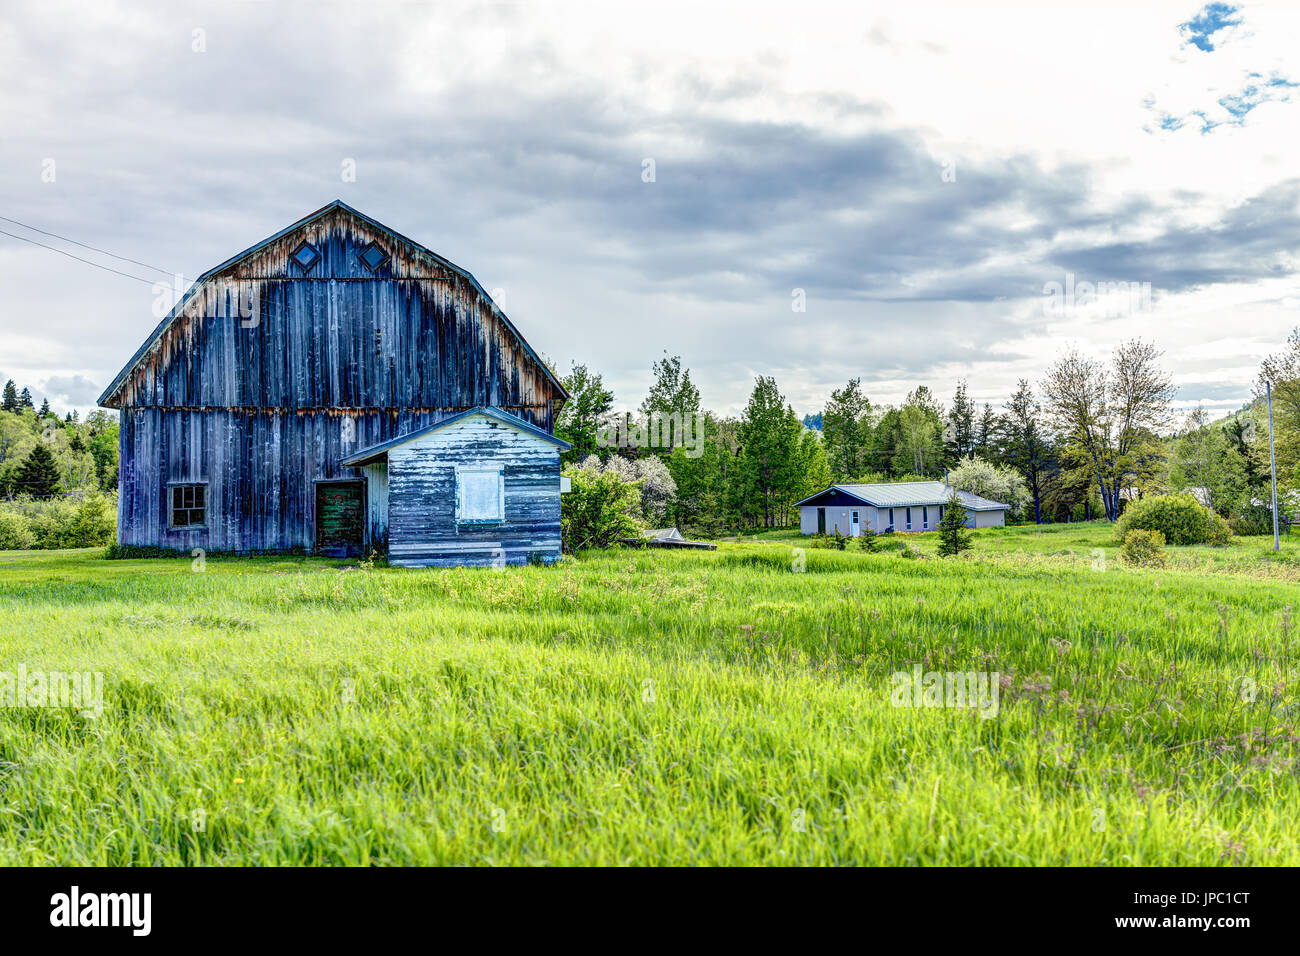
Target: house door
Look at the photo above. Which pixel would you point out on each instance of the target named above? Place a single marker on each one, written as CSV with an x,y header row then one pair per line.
x,y
853,525
340,518
821,520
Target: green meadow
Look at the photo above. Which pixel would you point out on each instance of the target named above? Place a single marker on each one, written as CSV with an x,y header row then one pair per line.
x,y
657,707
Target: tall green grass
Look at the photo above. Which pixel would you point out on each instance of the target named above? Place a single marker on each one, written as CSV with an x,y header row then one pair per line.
x,y
649,707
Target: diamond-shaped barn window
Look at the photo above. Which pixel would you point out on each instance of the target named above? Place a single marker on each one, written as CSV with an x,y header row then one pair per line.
x,y
373,256
305,256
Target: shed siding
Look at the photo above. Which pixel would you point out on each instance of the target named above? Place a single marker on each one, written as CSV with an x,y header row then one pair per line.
x,y
422,527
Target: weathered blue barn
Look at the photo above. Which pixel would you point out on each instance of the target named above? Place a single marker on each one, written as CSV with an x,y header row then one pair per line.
x,y
338,389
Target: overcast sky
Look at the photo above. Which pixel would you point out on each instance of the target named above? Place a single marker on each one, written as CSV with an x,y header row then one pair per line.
x,y
918,174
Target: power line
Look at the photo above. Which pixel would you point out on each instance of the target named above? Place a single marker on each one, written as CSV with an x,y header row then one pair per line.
x,y
55,235
63,252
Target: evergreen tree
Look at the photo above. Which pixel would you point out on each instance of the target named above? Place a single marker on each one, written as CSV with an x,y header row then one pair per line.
x,y
959,426
25,398
986,434
45,407
38,474
954,536
10,402
1027,448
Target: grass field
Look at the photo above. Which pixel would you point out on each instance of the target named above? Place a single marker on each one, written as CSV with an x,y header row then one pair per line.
x,y
658,707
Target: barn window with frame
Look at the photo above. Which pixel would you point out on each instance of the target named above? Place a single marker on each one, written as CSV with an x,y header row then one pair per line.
x,y
189,505
480,496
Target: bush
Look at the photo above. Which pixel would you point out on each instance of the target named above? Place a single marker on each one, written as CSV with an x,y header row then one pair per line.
x,y
15,532
1252,519
598,510
93,523
1220,532
1143,549
1180,518
71,522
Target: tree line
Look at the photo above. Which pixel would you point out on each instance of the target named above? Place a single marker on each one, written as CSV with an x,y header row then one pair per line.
x,y
44,456
1079,444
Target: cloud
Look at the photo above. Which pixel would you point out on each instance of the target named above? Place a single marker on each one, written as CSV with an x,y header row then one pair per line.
x,y
809,156
75,390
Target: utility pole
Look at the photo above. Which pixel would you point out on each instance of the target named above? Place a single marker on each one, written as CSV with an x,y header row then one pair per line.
x,y
1272,463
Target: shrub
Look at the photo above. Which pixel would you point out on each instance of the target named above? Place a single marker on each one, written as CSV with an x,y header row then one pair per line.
x,y
598,510
867,539
954,536
1252,519
15,532
1219,531
838,541
1180,518
92,524
1143,549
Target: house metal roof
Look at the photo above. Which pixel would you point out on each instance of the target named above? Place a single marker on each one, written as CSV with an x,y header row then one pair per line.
x,y
912,494
193,290
374,452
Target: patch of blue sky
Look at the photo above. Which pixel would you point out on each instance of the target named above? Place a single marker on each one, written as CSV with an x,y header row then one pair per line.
x,y
1212,18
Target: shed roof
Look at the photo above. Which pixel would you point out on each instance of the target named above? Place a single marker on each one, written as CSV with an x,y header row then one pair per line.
x,y
911,494
375,452
337,204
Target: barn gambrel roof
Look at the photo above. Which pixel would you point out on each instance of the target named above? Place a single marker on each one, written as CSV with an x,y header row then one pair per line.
x,y
337,205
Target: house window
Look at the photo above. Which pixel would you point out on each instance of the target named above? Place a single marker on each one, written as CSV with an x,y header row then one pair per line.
x,y
189,506
909,519
925,517
480,496
941,512
891,518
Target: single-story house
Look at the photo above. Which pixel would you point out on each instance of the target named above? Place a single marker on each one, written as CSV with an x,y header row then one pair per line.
x,y
903,506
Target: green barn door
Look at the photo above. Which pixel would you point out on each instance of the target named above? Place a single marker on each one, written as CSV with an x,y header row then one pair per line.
x,y
340,515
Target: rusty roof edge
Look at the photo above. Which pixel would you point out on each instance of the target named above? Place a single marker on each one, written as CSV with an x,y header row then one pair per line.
x,y
116,385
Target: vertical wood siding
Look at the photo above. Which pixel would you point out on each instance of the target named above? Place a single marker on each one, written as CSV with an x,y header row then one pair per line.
x,y
334,359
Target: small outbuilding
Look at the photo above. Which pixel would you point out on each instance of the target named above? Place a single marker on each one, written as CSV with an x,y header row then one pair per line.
x,y
478,488
902,506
